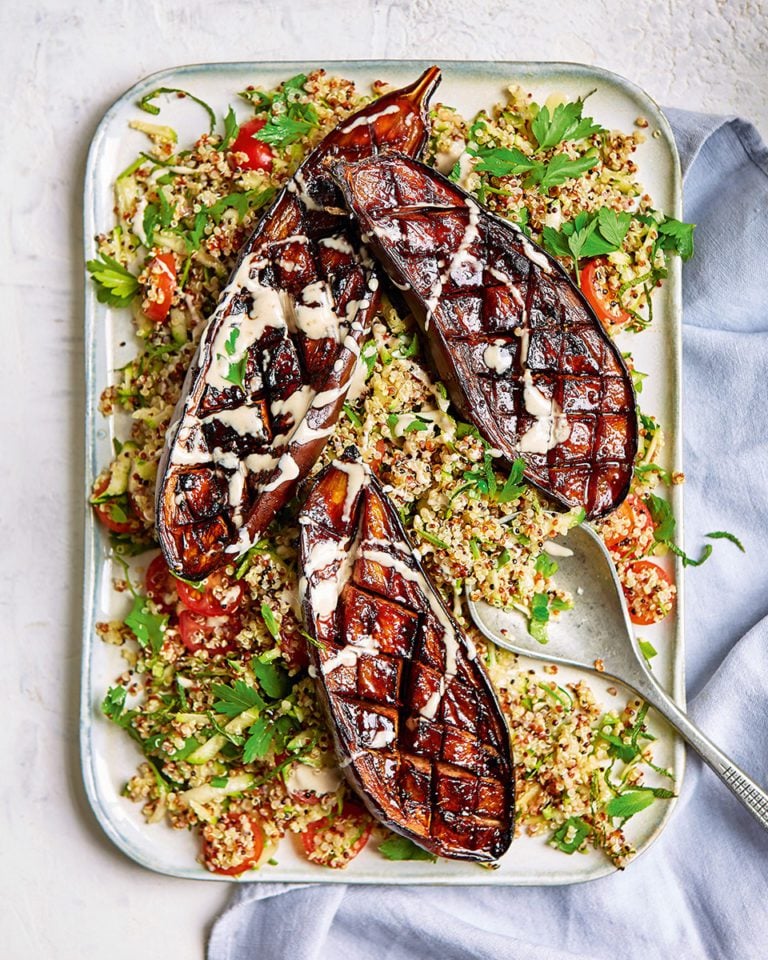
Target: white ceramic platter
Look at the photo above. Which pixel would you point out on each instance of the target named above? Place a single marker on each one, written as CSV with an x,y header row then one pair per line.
x,y
109,757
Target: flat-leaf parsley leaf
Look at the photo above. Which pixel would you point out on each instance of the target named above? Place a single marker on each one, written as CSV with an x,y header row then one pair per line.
x,y
564,123
273,680
284,130
678,236
115,284
147,627
234,700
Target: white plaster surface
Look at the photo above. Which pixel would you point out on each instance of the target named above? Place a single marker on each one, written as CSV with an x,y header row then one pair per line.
x,y
64,891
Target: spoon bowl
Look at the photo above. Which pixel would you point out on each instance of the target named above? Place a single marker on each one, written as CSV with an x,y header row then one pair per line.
x,y
596,631
597,635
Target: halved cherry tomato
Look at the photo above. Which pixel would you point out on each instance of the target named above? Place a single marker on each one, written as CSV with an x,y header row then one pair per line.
x,y
113,515
334,841
162,283
161,584
233,844
257,153
216,634
218,596
629,530
609,311
647,608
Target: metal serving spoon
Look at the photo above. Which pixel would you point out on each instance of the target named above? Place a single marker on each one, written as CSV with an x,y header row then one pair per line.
x,y
599,629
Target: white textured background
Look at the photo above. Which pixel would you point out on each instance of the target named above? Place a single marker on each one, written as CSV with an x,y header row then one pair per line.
x,y
64,892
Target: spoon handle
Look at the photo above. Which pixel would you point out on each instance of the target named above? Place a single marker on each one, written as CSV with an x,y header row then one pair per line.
x,y
754,798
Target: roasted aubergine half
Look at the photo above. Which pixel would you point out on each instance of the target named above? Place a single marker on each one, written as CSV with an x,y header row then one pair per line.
x,y
520,350
418,730
277,356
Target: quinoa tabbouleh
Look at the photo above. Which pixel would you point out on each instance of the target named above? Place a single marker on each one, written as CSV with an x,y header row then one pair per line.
x,y
215,689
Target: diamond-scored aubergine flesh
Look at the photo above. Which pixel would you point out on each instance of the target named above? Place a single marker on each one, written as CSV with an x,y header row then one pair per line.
x,y
277,357
418,730
520,350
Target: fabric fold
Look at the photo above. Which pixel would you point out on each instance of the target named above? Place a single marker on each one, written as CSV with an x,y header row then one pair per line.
x,y
277,920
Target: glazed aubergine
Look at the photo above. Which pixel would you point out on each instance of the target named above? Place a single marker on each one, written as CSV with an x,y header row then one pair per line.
x,y
520,350
278,355
418,730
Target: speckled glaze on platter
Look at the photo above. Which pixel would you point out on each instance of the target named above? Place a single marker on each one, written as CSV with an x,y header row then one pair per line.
x,y
108,756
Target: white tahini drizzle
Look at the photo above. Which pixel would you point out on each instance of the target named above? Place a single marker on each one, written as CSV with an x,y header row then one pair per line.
x,y
429,709
550,425
382,738
534,255
302,778
507,282
388,558
334,560
351,653
461,255
370,119
357,479
298,186
496,358
312,314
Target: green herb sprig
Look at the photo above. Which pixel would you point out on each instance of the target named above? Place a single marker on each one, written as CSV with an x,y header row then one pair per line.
x,y
664,532
115,284
482,482
289,119
148,628
503,162
564,123
148,106
231,130
237,698
574,828
587,235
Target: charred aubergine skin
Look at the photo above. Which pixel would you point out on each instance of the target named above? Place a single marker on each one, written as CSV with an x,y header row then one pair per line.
x,y
520,350
418,730
277,356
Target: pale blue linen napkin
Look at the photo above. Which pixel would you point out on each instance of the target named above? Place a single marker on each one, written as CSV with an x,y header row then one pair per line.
x,y
702,890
